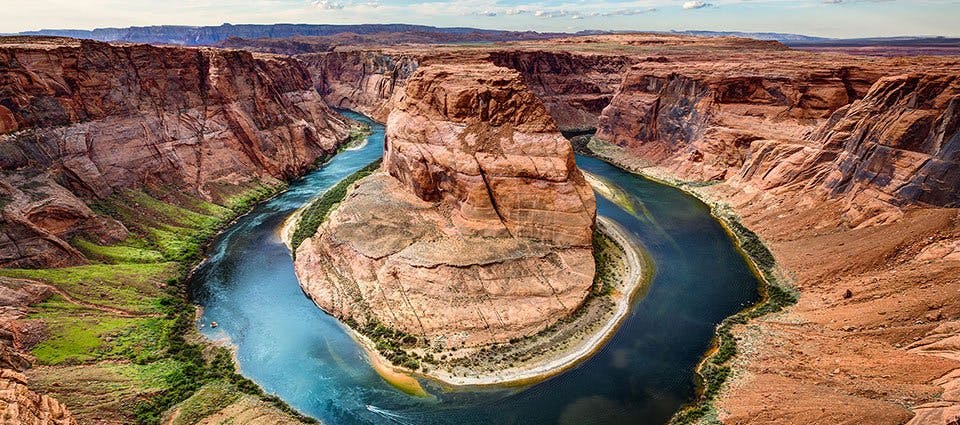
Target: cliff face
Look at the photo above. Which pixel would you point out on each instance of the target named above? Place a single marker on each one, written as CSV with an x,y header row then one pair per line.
x,y
901,141
363,81
82,120
894,148
702,122
18,331
478,228
803,129
574,88
848,173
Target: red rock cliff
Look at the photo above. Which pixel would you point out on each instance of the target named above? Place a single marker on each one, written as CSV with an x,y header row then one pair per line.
x,y
476,137
80,120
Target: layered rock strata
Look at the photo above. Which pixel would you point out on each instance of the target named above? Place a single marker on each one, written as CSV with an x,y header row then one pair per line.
x,y
478,228
81,120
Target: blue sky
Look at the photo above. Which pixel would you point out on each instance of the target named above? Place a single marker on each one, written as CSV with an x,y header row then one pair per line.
x,y
834,18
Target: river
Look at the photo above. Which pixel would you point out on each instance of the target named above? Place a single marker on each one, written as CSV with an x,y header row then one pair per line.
x,y
641,376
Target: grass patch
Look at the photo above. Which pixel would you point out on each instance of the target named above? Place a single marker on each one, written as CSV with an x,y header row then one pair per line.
x,y
206,401
176,231
391,343
79,335
102,392
139,366
315,213
107,365
117,254
604,249
132,287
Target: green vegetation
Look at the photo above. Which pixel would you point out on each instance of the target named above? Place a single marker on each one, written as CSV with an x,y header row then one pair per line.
x,y
175,230
603,250
124,322
358,133
134,288
105,389
206,401
76,335
126,252
315,213
391,343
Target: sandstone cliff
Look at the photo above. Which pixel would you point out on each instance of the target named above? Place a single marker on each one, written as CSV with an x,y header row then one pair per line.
x,y
477,230
363,81
81,120
574,88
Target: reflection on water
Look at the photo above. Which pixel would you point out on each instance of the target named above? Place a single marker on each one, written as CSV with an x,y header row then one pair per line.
x,y
642,376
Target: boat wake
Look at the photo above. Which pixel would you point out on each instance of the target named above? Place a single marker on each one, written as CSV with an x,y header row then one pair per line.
x,y
393,417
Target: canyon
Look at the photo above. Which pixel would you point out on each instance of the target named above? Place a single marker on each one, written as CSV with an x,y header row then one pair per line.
x,y
845,166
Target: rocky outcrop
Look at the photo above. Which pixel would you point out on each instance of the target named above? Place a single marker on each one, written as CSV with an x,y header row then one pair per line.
x,y
899,142
855,195
475,137
18,403
478,228
893,148
82,120
806,128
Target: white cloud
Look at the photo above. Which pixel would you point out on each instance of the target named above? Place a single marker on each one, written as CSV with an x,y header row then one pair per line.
x,y
629,12
328,4
549,14
696,5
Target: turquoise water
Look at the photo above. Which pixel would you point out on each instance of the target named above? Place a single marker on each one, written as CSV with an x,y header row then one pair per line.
x,y
641,376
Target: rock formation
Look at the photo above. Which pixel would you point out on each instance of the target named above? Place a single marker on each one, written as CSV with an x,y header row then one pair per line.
x,y
81,120
19,405
477,230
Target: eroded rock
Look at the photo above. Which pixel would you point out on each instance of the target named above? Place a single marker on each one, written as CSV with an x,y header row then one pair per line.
x,y
478,228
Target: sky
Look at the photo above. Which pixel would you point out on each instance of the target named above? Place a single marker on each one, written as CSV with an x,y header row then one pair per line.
x,y
828,18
